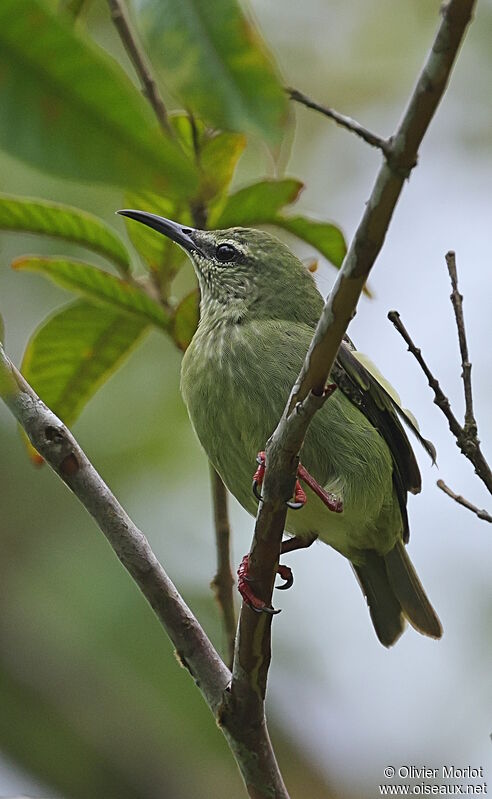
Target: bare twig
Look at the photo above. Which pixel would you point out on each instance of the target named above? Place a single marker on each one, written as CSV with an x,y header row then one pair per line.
x,y
223,581
60,450
341,119
466,440
128,36
482,514
440,398
253,641
457,300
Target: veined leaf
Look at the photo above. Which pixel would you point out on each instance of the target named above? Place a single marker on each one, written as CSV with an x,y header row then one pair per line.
x,y
160,253
186,318
212,57
219,155
99,286
258,203
66,107
75,351
63,221
327,238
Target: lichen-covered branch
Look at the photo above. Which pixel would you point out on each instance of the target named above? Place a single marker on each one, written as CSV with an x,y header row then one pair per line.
x,y
254,754
253,643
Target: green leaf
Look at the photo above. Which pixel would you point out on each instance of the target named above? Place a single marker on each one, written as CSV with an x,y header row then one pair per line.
x,y
218,160
98,285
75,351
327,238
213,58
257,204
63,221
66,107
261,203
72,7
186,318
216,152
159,252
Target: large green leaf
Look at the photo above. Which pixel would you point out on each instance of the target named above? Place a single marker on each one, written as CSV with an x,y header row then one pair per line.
x,y
262,203
185,320
98,285
327,238
68,108
257,203
74,351
212,57
63,221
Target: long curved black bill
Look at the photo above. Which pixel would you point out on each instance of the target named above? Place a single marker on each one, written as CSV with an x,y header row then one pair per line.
x,y
174,231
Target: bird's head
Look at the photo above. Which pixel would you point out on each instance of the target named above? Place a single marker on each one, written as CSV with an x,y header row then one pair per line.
x,y
241,271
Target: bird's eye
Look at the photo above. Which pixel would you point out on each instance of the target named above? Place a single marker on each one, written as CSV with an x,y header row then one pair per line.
x,y
225,253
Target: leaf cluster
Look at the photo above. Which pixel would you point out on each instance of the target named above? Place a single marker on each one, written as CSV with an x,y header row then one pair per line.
x,y
78,115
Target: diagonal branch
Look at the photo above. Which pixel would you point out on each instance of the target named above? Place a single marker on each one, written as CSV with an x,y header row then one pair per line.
x,y
254,755
223,582
252,654
119,15
342,120
482,514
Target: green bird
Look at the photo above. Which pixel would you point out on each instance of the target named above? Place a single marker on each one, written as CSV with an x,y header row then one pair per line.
x,y
258,311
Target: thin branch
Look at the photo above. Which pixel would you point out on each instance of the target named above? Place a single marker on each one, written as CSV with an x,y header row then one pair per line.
x,y
457,300
223,582
440,398
482,514
342,120
252,654
128,36
467,441
254,755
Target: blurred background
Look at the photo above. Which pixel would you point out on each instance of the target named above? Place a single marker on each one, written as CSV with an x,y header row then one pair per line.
x,y
92,702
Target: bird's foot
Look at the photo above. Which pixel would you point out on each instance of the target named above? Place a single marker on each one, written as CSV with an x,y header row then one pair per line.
x,y
247,593
331,501
299,499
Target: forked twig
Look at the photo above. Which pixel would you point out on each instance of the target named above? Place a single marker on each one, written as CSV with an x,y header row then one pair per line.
x,y
466,435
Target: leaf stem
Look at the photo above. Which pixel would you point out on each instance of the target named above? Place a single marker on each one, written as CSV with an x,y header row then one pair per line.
x,y
119,15
342,120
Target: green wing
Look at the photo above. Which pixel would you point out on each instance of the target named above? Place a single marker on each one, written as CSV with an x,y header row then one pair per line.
x,y
361,382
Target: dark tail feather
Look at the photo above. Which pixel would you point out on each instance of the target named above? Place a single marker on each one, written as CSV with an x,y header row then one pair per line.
x,y
384,607
409,592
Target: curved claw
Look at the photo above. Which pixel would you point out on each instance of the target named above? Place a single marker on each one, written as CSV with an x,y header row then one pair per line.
x,y
294,505
286,574
256,491
270,611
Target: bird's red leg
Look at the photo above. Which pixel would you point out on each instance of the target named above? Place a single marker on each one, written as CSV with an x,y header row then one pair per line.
x,y
247,593
291,544
331,501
